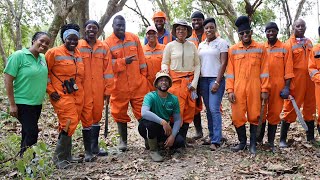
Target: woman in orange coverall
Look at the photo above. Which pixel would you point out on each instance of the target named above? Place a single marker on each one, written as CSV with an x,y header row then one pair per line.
x,y
153,53
65,76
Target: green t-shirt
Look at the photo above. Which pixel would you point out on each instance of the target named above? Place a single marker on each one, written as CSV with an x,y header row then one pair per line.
x,y
162,107
31,77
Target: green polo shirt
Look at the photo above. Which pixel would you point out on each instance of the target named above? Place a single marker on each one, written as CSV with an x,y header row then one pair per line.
x,y
31,76
162,107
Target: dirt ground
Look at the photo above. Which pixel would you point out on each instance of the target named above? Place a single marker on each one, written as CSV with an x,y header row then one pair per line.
x,y
299,161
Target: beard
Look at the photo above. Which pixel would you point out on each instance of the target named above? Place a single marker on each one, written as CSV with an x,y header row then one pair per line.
x,y
162,89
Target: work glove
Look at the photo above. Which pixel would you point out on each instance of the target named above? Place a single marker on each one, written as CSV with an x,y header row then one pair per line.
x,y
193,93
284,94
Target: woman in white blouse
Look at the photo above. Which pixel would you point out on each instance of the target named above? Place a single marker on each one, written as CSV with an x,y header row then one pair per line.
x,y
213,54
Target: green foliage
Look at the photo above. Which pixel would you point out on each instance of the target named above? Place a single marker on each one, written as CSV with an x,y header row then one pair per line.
x,y
36,162
181,10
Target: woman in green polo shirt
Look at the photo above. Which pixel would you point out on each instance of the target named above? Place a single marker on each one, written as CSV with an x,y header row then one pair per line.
x,y
26,76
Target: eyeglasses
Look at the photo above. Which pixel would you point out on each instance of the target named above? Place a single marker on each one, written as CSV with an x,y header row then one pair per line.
x,y
181,29
247,32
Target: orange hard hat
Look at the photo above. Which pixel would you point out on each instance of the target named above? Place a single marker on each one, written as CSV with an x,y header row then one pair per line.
x,y
159,14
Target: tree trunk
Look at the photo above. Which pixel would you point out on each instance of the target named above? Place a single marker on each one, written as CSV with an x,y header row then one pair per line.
x,y
299,10
80,14
3,54
61,8
113,7
15,30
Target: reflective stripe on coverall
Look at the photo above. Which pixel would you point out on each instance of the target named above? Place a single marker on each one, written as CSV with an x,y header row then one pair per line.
x,y
153,60
280,69
95,63
314,67
129,80
247,76
64,65
304,90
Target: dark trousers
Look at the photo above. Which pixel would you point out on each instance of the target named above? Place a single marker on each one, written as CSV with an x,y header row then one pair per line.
x,y
150,130
28,116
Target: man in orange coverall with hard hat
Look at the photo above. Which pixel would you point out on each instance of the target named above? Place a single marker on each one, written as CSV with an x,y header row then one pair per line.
x,y
281,72
247,83
314,71
164,36
153,53
95,59
304,90
127,70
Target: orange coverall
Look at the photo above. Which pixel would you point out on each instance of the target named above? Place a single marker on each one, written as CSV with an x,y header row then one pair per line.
x,y
304,90
247,76
280,69
194,38
62,65
95,62
153,60
180,81
129,80
314,67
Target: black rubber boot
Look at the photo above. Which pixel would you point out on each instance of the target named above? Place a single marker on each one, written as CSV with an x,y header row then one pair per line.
x,y
88,157
95,130
318,129
241,131
71,158
261,135
283,134
123,132
253,139
310,132
198,126
61,152
271,135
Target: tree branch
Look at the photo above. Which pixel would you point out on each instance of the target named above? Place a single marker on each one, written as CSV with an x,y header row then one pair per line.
x,y
145,21
299,9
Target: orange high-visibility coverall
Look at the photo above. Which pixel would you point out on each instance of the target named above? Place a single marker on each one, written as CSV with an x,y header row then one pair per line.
x,y
62,65
129,80
280,69
95,63
314,67
194,38
247,76
153,60
304,90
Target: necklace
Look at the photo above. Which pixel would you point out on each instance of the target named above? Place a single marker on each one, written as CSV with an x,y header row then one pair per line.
x,y
163,100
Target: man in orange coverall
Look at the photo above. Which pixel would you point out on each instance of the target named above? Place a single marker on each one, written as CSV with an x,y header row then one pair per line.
x,y
128,69
281,72
94,55
304,90
247,83
153,53
164,36
65,88
197,37
314,71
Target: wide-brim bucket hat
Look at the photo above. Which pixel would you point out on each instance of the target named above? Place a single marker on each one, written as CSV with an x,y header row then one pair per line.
x,y
181,23
159,75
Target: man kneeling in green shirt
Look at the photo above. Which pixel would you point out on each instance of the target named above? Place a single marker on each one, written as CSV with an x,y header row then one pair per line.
x,y
157,109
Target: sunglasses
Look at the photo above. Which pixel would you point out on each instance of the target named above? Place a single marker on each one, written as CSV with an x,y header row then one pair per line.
x,y
245,32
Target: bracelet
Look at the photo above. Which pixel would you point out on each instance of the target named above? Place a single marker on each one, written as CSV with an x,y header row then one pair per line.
x,y
216,83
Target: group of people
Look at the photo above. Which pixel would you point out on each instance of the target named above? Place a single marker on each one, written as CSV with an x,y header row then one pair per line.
x,y
165,82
